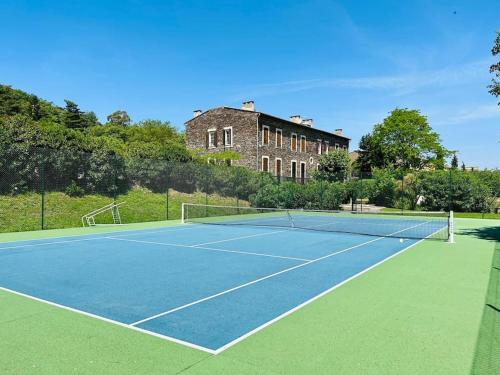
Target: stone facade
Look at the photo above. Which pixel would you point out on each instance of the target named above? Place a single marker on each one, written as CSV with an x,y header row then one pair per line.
x,y
254,137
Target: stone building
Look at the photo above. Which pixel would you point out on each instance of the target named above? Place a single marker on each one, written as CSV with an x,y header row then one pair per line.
x,y
286,148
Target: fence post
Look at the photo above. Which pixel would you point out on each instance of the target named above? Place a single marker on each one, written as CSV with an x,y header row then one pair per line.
x,y
42,190
114,167
402,194
361,188
168,190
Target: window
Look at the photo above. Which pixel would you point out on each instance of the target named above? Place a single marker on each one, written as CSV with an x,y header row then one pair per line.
x,y
211,138
337,146
278,167
265,135
302,143
302,171
265,164
344,147
318,147
293,142
293,169
228,137
327,147
279,138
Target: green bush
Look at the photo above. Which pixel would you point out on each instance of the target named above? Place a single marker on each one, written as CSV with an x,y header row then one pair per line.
x,y
333,166
381,189
461,191
73,190
317,195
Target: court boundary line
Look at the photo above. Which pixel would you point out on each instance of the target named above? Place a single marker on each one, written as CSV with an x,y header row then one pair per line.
x,y
230,290
210,249
115,322
309,301
199,347
126,233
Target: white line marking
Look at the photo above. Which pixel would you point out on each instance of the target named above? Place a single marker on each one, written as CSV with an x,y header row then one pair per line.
x,y
168,338
289,312
253,253
195,247
263,278
242,237
241,338
198,347
103,236
48,243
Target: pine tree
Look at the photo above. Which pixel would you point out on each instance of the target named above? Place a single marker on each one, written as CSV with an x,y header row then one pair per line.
x,y
34,110
454,162
74,117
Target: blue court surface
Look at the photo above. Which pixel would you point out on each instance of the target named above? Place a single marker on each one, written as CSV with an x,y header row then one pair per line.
x,y
206,286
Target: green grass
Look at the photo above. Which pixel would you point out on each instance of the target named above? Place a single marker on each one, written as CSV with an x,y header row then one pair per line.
x,y
487,356
417,313
462,215
23,212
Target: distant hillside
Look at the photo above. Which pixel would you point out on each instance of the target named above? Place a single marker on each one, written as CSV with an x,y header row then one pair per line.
x,y
29,121
17,102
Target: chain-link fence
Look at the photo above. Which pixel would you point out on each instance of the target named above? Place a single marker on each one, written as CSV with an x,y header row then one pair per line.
x,y
43,188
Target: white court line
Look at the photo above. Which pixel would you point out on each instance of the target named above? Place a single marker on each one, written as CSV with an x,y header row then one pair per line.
x,y
291,311
188,344
197,247
242,237
48,243
164,337
103,236
264,278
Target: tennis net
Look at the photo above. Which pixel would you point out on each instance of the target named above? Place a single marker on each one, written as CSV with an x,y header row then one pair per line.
x,y
415,225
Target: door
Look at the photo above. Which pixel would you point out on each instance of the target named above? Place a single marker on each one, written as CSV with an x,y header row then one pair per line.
x,y
302,172
294,170
278,169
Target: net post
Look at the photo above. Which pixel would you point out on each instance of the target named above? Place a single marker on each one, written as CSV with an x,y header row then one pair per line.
x,y
183,207
451,228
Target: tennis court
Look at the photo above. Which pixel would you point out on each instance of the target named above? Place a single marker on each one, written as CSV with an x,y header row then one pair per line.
x,y
209,286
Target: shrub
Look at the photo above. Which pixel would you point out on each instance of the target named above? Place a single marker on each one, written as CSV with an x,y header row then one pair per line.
x,y
461,191
73,190
381,189
317,195
333,166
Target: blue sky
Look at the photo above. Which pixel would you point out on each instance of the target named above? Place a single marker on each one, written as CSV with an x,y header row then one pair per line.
x,y
346,64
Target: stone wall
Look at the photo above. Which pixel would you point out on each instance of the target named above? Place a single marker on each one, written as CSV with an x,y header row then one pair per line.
x,y
309,157
244,125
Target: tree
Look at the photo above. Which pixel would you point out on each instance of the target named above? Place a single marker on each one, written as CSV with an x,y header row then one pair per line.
x,y
90,119
119,118
405,140
333,166
74,118
495,68
34,110
463,166
370,154
454,162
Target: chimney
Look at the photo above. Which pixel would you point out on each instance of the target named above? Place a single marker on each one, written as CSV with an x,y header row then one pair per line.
x,y
338,131
248,106
197,112
308,122
296,119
